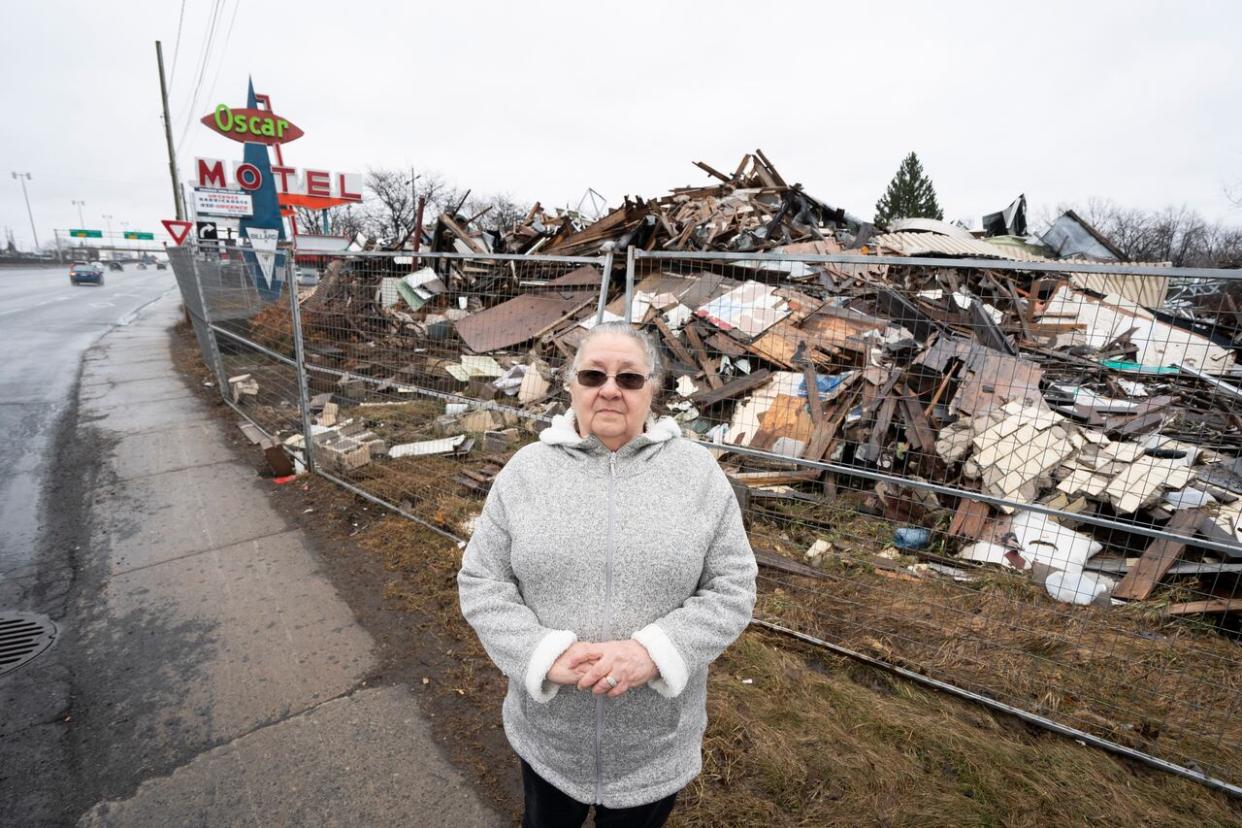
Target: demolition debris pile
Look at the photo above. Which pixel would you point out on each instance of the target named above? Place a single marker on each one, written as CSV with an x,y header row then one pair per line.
x,y
904,388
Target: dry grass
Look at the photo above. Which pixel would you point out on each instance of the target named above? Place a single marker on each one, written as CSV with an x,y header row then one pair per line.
x,y
817,740
1125,673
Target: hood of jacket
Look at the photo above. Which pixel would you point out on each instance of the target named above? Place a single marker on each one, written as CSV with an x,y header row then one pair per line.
x,y
563,433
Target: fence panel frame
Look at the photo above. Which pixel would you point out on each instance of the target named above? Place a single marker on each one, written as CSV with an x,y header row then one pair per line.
x,y
303,369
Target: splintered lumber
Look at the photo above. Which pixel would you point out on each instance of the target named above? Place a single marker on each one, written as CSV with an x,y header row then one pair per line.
x,y
811,380
879,431
734,388
674,344
709,369
917,427
775,477
1215,605
461,233
773,561
1157,559
825,434
969,519
725,345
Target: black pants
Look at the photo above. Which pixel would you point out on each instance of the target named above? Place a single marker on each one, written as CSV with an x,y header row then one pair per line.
x,y
547,807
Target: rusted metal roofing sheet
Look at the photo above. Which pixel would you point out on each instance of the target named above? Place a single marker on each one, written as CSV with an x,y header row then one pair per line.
x,y
515,321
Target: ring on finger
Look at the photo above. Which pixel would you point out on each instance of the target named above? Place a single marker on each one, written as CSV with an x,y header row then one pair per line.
x,y
612,682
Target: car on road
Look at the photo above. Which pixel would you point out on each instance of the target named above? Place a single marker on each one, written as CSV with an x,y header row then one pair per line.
x,y
81,273
114,265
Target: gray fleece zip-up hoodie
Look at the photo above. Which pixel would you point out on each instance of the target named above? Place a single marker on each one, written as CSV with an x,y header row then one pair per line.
x,y
577,543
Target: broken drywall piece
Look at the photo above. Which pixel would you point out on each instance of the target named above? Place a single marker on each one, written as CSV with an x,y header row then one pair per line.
x,y
1045,541
445,445
474,366
534,386
243,385
1073,586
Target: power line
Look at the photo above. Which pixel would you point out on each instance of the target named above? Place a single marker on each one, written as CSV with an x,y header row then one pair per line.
x,y
177,46
224,50
202,69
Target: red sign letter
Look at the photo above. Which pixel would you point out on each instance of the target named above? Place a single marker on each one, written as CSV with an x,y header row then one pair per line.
x,y
344,191
212,176
318,183
284,173
249,177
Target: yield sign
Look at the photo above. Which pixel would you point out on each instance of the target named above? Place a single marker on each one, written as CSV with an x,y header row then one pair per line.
x,y
177,229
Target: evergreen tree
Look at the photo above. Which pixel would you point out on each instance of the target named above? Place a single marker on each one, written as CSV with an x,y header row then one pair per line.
x,y
910,195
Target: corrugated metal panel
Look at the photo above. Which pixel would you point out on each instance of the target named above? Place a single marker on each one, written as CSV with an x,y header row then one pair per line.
x,y
1148,291
934,244
926,225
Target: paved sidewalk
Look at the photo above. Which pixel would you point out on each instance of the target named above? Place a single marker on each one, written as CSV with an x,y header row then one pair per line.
x,y
227,679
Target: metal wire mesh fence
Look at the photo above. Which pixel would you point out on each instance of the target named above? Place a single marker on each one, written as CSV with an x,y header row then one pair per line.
x,y
426,374
244,322
976,463
1008,477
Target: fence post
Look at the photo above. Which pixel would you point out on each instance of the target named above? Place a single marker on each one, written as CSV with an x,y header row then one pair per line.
x,y
217,364
629,284
295,310
603,288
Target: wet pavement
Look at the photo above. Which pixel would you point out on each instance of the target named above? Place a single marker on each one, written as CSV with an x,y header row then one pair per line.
x,y
46,325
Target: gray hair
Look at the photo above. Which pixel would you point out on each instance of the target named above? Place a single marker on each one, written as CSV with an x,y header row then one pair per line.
x,y
645,342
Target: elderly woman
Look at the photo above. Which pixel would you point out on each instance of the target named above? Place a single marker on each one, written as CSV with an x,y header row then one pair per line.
x,y
608,570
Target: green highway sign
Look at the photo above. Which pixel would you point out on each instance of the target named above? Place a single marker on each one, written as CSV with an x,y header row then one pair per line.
x,y
86,234
136,235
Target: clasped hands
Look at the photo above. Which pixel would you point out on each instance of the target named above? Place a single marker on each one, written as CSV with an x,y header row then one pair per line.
x,y
588,666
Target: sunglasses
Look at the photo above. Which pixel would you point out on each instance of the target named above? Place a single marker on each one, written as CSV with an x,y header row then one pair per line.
x,y
628,380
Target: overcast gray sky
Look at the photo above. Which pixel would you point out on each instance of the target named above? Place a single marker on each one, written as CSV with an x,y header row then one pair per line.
x,y
1135,101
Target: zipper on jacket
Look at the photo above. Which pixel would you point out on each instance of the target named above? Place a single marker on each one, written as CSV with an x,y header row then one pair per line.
x,y
599,700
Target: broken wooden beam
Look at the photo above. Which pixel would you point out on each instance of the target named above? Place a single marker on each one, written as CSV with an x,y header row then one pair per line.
x,y
775,477
918,429
970,519
674,344
1215,605
732,389
1159,556
709,367
771,560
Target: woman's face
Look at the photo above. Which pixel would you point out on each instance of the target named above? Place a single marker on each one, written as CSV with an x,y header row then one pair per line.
x,y
610,412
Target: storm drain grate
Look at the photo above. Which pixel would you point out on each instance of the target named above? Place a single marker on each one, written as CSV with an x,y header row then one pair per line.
x,y
23,636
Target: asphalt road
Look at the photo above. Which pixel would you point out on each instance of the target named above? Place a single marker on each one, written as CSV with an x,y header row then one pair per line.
x,y
46,325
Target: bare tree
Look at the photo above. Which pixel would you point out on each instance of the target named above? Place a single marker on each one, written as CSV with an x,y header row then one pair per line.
x,y
392,206
1178,235
497,213
343,220
390,203
1233,192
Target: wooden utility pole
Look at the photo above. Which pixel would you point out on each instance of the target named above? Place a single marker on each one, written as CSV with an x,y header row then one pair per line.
x,y
172,154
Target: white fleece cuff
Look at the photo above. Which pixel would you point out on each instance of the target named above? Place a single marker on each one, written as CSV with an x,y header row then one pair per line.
x,y
673,670
549,649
